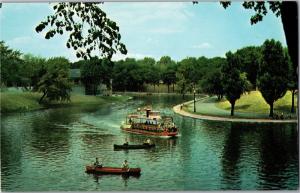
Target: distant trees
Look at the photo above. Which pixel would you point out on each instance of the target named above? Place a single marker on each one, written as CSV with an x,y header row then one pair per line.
x,y
212,84
234,82
32,69
10,65
167,67
54,84
250,57
293,80
128,75
269,67
273,73
95,71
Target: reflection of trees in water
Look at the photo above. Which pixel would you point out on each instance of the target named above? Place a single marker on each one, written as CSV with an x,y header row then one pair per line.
x,y
48,137
94,143
278,154
162,100
11,152
231,158
276,149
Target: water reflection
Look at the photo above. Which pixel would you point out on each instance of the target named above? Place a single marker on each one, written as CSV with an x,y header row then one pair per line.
x,y
48,137
231,158
277,150
48,151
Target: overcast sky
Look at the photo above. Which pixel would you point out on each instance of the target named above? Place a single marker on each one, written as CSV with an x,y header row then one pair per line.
x,y
178,30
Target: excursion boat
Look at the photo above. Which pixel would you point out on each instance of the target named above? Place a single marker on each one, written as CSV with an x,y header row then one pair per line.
x,y
150,123
113,170
142,146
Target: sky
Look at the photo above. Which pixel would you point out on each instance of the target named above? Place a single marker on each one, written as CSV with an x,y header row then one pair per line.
x,y
149,29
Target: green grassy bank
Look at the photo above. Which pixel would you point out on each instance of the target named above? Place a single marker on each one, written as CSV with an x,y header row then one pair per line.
x,y
251,105
28,101
255,103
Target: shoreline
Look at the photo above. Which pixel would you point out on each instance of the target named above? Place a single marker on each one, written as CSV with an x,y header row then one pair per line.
x,y
182,112
27,102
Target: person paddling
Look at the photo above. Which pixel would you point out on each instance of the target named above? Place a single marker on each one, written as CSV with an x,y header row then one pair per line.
x,y
125,165
97,164
126,141
148,142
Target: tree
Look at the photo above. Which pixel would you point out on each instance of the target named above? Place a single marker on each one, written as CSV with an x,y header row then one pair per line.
x,y
30,69
90,30
169,77
189,68
182,84
55,84
293,78
10,65
250,58
212,84
94,72
167,68
273,73
128,75
288,10
234,82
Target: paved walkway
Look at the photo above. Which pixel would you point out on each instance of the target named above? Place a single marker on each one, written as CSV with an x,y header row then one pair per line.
x,y
180,111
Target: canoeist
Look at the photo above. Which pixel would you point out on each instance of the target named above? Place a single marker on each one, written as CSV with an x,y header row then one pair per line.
x,y
97,163
125,165
148,142
126,141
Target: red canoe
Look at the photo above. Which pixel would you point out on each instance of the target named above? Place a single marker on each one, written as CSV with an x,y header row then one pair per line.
x,y
113,170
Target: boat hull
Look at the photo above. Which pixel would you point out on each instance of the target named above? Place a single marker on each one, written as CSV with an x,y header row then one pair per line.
x,y
113,170
142,146
144,132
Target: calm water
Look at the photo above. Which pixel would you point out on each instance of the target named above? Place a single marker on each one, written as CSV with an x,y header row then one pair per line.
x,y
48,150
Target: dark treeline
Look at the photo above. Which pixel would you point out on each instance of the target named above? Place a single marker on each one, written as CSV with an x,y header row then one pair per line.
x,y
47,76
267,68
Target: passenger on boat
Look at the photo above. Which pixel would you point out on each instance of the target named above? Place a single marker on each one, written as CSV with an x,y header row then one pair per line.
x,y
97,163
125,165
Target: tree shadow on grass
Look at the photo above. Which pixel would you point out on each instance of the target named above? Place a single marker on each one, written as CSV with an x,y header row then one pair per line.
x,y
210,100
284,108
239,107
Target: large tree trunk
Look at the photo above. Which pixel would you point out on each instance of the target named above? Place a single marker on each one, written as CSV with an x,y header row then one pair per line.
x,y
271,110
168,88
232,108
293,102
41,99
173,88
289,17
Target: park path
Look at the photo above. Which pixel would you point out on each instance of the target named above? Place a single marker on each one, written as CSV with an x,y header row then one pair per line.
x,y
182,112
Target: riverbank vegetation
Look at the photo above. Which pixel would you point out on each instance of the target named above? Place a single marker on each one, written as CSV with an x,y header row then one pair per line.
x,y
247,69
12,101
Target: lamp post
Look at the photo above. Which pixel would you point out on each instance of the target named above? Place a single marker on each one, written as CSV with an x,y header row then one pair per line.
x,y
194,100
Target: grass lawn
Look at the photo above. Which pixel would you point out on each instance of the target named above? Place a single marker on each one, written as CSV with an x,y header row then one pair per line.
x,y
28,101
254,102
250,105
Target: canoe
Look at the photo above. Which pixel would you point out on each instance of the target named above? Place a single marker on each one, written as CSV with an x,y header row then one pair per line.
x,y
113,170
141,146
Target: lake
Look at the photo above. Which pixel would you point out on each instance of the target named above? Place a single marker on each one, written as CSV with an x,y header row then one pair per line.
x,y
48,150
